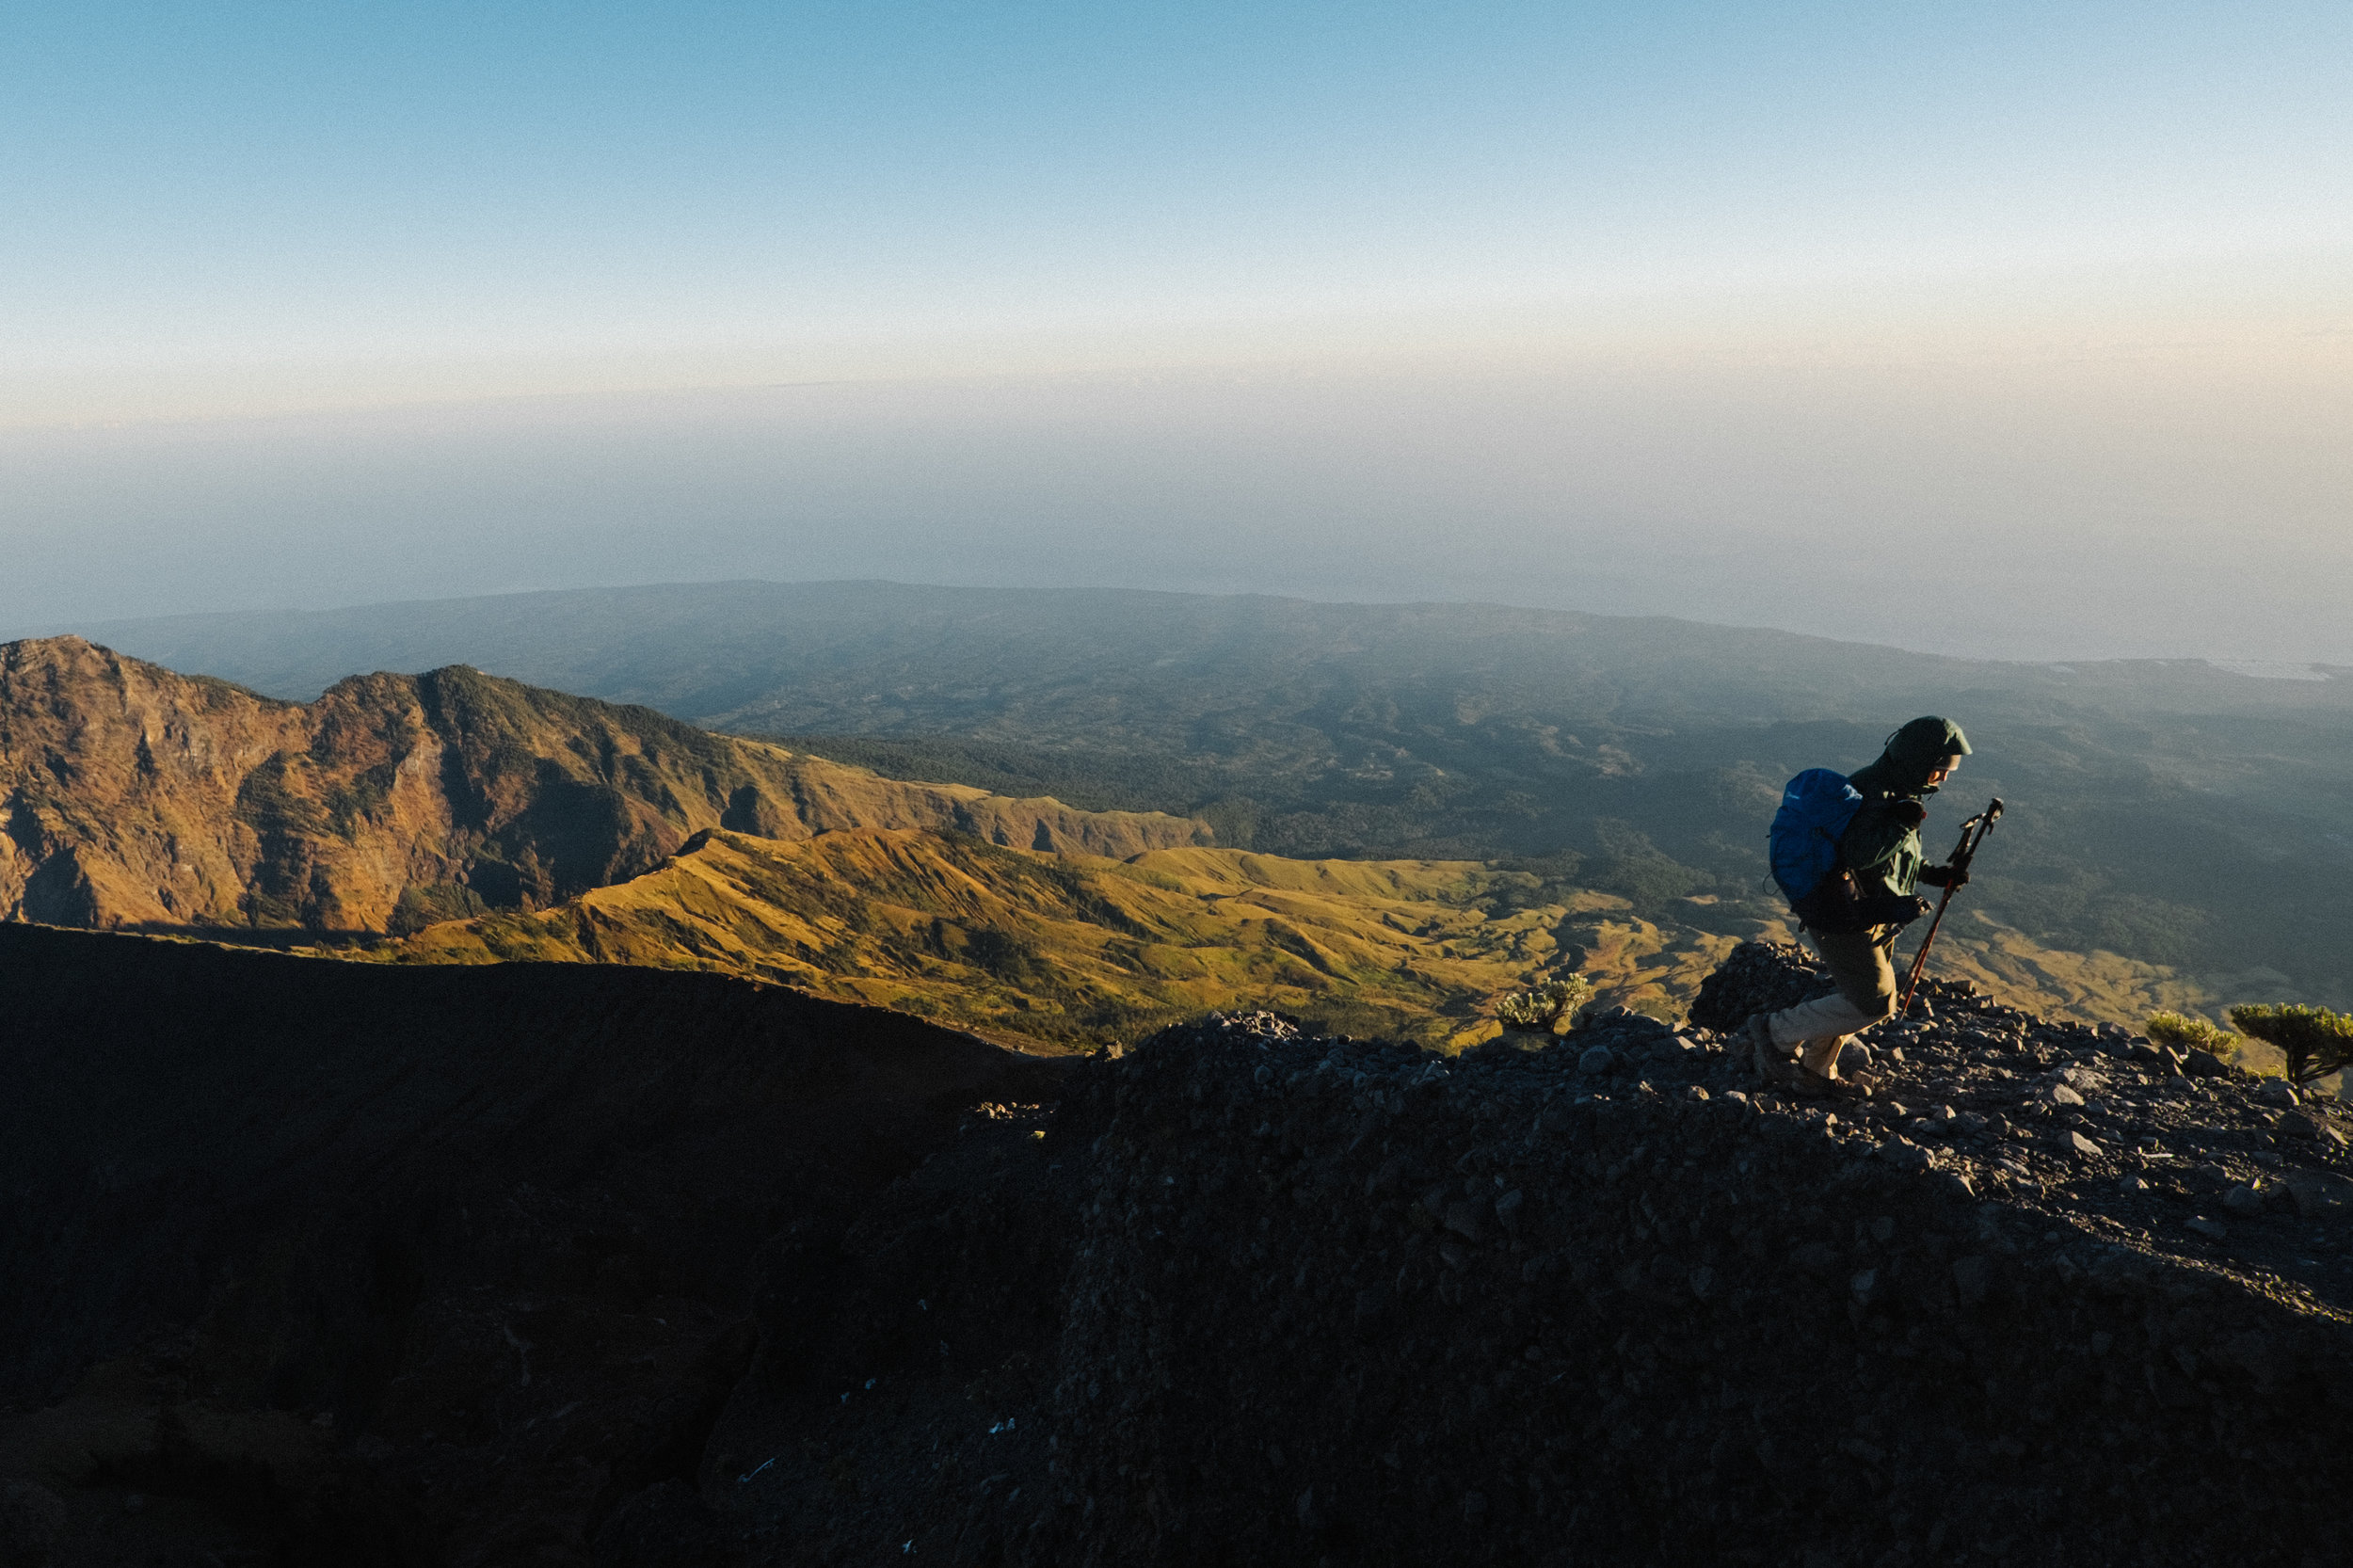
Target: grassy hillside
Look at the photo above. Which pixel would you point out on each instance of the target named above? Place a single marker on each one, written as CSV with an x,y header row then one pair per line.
x,y
1072,951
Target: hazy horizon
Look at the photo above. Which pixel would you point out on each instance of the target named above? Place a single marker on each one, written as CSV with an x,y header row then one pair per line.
x,y
1874,504
97,629
2013,333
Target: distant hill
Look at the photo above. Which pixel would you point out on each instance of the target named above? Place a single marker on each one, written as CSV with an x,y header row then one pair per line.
x,y
2169,813
132,796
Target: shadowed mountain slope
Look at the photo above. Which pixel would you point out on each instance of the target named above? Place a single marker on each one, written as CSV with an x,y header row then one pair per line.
x,y
315,1264
279,1228
133,795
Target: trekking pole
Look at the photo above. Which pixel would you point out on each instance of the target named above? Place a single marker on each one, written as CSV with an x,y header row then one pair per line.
x,y
1972,833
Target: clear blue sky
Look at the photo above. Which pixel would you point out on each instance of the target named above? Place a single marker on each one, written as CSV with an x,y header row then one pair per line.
x,y
214,212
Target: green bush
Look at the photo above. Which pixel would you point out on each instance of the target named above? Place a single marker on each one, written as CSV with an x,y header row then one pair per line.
x,y
2184,1034
1537,1011
2315,1041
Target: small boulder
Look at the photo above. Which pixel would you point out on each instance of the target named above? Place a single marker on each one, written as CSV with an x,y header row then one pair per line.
x,y
1468,1219
2320,1194
2212,1230
1596,1062
2243,1199
2277,1093
2204,1064
1904,1154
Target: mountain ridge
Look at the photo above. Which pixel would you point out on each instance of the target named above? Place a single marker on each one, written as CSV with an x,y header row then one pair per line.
x,y
133,795
319,645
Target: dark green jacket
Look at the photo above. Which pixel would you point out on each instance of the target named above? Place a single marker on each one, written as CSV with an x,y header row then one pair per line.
x,y
1883,854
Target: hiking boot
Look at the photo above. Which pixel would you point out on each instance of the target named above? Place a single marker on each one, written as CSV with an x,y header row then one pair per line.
x,y
1775,1067
1807,1084
1813,1086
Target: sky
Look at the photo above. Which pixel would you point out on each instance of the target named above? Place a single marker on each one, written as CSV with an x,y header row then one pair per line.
x,y
2012,329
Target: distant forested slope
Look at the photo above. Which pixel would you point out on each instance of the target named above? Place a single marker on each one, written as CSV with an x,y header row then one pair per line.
x,y
2169,811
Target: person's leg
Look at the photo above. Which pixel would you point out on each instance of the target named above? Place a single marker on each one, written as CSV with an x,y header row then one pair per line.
x,y
1829,1018
1860,966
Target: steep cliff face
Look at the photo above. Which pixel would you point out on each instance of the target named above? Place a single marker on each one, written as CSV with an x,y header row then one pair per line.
x,y
132,795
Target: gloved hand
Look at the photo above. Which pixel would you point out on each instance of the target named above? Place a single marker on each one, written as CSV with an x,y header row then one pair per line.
x,y
1944,876
1892,908
1909,812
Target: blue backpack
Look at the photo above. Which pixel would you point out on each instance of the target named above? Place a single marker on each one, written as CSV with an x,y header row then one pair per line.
x,y
1816,808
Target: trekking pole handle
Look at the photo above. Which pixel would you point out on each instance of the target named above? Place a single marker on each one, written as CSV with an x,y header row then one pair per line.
x,y
1973,834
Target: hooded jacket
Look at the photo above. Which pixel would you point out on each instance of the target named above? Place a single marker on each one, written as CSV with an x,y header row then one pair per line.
x,y
1880,852
1884,853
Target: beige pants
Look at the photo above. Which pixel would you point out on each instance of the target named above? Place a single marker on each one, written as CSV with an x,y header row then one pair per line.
x,y
1862,964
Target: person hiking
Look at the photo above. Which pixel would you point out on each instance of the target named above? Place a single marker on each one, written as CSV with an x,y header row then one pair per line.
x,y
1854,913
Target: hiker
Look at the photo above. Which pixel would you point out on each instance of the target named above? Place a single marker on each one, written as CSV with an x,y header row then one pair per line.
x,y
1862,901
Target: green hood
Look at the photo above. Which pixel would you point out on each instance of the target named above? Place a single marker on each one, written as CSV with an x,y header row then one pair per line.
x,y
1912,753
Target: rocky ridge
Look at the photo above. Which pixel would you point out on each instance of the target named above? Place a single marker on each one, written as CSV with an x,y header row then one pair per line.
x,y
131,795
2181,1152
1332,1301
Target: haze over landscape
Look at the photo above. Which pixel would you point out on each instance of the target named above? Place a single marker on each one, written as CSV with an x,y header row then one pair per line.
x,y
2003,331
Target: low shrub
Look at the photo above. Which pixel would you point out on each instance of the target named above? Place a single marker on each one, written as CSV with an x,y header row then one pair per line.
x,y
2315,1041
1537,1011
2184,1033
